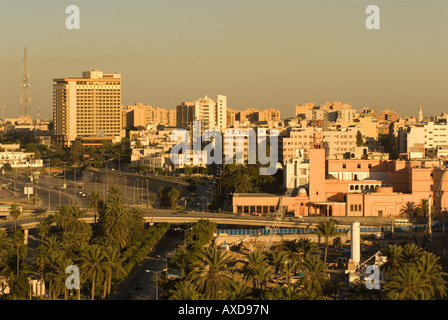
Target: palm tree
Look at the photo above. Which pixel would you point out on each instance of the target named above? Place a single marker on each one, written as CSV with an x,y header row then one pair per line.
x,y
185,290
94,200
5,246
291,248
408,209
114,191
422,208
239,290
314,279
394,256
408,284
427,264
290,269
92,265
18,240
210,273
359,291
173,195
262,275
307,247
327,230
42,229
244,183
256,260
114,201
116,225
411,252
75,224
278,259
113,267
15,211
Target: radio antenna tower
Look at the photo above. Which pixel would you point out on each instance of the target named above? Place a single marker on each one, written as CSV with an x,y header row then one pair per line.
x,y
3,110
25,98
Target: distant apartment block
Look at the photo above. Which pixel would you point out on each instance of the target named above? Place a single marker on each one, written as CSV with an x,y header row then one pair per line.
x,y
212,113
18,159
426,140
88,107
140,116
336,143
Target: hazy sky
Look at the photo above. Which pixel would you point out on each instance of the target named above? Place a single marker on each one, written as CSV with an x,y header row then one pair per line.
x,y
259,53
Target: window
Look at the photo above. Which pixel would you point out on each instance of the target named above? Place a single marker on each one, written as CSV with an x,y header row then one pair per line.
x,y
344,166
369,165
351,207
358,166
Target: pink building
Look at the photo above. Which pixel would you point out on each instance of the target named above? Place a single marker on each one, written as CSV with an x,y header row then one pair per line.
x,y
357,188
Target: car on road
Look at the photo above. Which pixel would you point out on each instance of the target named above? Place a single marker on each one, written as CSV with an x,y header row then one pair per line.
x,y
181,212
131,295
138,286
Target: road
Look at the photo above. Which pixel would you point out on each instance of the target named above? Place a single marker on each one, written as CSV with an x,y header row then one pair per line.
x,y
155,263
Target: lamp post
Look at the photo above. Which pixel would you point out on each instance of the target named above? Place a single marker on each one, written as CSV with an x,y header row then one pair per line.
x,y
157,288
429,218
48,184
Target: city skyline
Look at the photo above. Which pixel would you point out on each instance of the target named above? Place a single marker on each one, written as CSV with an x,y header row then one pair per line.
x,y
269,55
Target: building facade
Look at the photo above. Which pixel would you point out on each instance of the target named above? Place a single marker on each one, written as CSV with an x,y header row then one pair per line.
x,y
87,107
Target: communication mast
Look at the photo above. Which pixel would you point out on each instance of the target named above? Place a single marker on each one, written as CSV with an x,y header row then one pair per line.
x,y
25,99
3,110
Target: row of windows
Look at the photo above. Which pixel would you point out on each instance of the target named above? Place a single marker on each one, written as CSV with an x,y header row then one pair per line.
x,y
355,207
358,166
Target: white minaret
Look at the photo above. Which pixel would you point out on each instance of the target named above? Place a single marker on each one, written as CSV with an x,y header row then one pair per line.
x,y
420,114
355,243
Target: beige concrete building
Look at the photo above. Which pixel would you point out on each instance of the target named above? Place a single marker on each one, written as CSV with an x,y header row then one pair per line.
x,y
87,107
140,116
211,113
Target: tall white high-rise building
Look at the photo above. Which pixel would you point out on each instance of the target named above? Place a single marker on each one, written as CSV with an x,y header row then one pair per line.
x,y
87,108
211,113
221,112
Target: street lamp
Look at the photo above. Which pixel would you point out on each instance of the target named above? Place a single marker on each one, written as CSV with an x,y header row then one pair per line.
x,y
157,288
429,218
48,184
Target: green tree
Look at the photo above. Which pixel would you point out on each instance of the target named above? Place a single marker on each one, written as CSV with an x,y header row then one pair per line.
x,y
93,266
327,230
210,273
185,290
116,226
113,268
244,184
256,260
278,259
43,228
359,139
394,255
422,208
94,198
15,211
407,284
313,280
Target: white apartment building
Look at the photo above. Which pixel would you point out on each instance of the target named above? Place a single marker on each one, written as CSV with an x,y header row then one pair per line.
x,y
87,107
20,159
296,174
211,113
423,141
